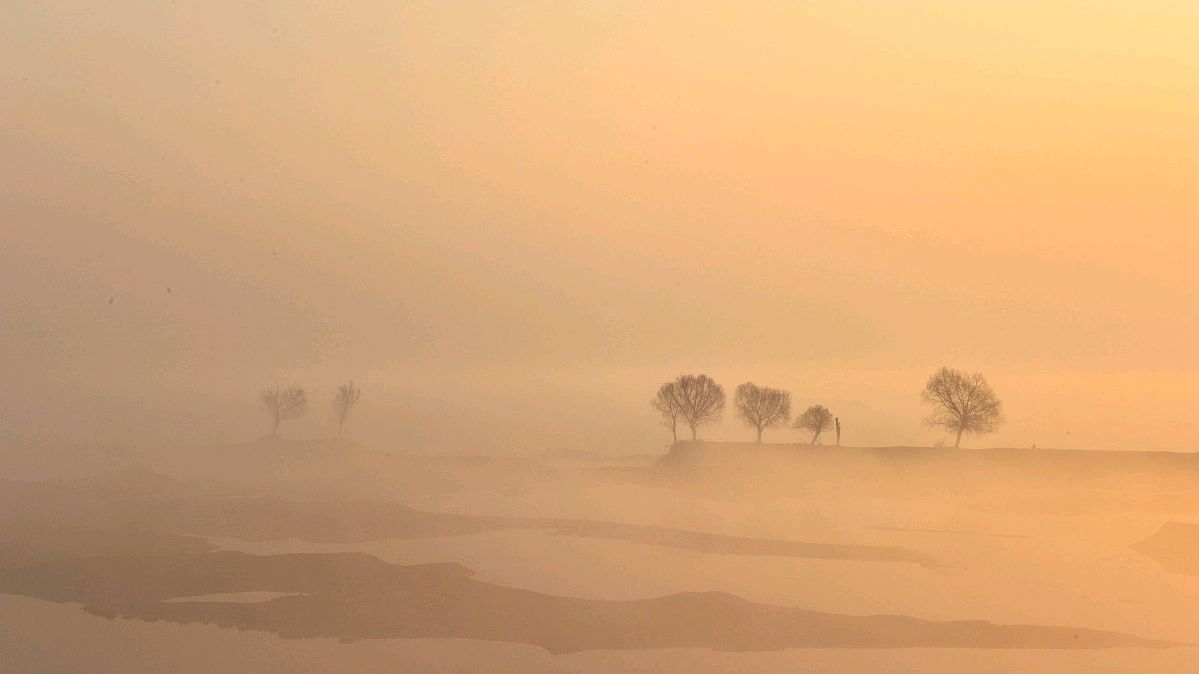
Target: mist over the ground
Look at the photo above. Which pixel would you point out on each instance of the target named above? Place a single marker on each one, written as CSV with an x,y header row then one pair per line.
x,y
367,337
259,556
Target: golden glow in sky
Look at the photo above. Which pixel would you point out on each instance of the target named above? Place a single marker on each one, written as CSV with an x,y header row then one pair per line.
x,y
542,212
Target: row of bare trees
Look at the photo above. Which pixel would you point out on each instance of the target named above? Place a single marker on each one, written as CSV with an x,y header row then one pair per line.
x,y
960,402
694,399
698,400
291,402
763,407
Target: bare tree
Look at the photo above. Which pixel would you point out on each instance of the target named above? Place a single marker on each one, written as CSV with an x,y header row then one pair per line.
x,y
283,403
347,397
669,405
815,420
701,398
962,402
762,407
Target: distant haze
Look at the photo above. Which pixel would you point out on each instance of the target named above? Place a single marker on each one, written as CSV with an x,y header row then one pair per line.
x,y
509,224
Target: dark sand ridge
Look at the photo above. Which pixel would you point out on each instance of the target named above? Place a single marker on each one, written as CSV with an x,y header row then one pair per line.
x,y
128,525
355,596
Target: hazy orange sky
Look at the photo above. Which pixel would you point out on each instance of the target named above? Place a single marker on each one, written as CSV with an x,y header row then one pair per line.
x,y
509,224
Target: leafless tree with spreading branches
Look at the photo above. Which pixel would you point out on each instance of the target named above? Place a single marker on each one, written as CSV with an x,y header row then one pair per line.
x,y
962,403
762,407
702,400
815,420
283,403
347,397
669,405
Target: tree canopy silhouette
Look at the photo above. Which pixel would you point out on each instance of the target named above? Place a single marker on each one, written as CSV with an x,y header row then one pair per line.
x,y
762,407
669,405
283,403
701,398
962,403
347,397
815,420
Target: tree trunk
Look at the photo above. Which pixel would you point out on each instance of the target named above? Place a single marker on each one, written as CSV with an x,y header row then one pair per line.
x,y
674,434
958,443
759,435
340,424
275,428
692,431
815,436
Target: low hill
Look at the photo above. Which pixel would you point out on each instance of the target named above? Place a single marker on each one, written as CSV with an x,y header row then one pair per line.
x,y
917,469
